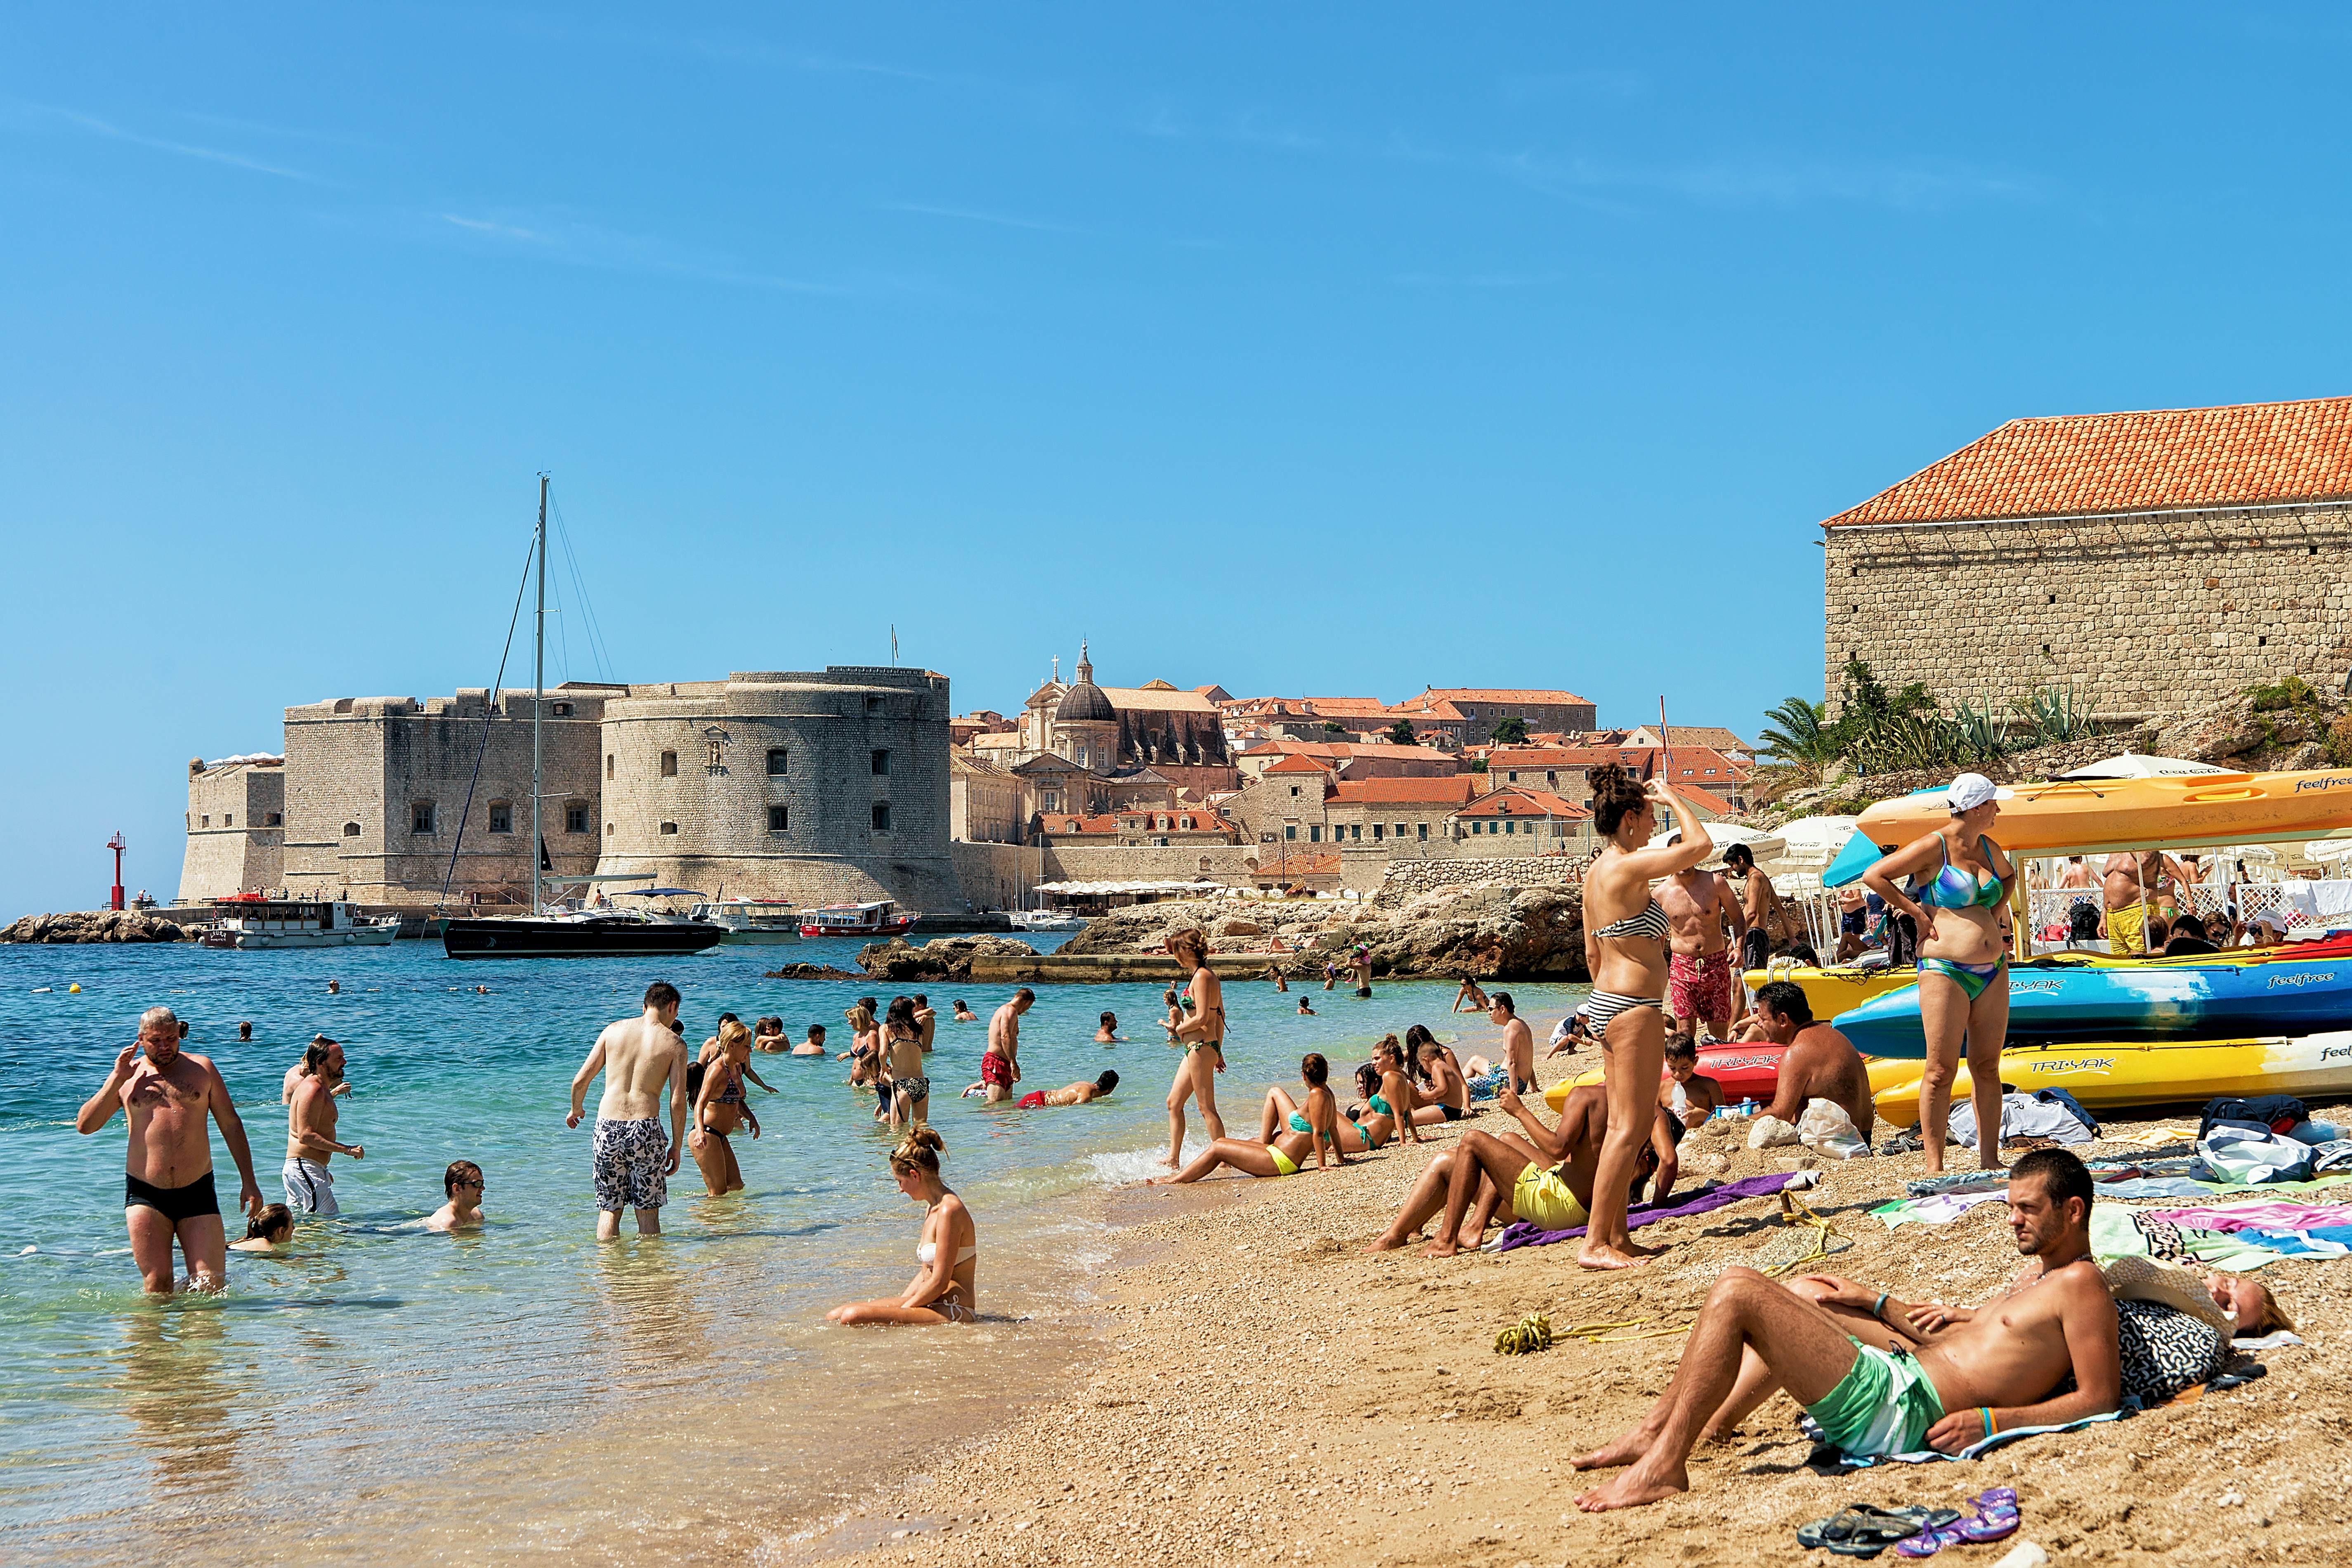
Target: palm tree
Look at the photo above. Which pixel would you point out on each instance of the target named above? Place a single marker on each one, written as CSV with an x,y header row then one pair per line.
x,y
1799,735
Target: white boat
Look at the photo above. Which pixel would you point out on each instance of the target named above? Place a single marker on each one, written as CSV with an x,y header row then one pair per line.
x,y
252,920
751,923
1045,920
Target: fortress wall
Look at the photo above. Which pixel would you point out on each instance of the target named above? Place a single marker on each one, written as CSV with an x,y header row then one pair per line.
x,y
707,824
235,832
2144,613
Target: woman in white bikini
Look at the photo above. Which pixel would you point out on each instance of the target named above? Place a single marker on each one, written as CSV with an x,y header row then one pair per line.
x,y
1201,1035
943,1290
1625,952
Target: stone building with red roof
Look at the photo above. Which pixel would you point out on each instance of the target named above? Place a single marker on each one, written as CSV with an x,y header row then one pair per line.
x,y
2152,560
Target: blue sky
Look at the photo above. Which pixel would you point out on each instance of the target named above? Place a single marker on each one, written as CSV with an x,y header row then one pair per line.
x,y
1339,350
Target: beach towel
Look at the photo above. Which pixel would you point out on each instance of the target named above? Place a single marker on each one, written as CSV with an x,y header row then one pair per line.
x,y
1525,1232
1977,1450
1941,1209
2259,1213
2119,1232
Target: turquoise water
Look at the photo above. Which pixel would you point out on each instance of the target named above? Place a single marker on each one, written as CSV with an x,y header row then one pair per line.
x,y
385,1391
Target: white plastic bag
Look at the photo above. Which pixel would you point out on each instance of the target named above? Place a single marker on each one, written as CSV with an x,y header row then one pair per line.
x,y
1826,1128
1769,1131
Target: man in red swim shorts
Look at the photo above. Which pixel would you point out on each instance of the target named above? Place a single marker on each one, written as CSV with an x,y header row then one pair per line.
x,y
1708,924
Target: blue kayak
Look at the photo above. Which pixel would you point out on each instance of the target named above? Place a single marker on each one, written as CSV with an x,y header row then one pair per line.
x,y
2063,997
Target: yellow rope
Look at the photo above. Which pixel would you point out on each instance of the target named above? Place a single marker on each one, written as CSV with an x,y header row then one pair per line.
x,y
1794,1210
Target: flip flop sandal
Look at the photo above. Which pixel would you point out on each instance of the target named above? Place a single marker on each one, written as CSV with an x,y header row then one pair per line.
x,y
1879,1528
1997,1516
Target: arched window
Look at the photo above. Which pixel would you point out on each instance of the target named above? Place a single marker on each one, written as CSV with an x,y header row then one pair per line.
x,y
351,830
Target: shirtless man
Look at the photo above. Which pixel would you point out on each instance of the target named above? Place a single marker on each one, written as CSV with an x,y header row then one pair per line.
x,y
167,1184
964,1015
462,1182
2128,886
295,1074
1070,1094
1705,920
1000,1065
1946,1379
639,1058
926,1020
1546,1176
1820,1063
310,1134
1518,1044
1759,902
2076,874
814,1045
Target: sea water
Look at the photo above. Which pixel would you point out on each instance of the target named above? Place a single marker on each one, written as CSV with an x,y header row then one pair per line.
x,y
381,1393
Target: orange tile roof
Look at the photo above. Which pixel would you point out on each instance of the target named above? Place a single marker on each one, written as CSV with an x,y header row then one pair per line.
x,y
1295,763
1545,756
1063,823
2246,453
1454,791
1511,800
1301,866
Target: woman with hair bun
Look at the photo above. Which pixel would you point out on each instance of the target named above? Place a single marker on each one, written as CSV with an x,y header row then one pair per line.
x,y
943,1290
1625,951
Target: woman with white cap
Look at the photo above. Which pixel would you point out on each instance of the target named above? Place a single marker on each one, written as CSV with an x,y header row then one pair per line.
x,y
1957,891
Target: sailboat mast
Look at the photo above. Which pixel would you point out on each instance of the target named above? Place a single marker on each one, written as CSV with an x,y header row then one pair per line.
x,y
538,691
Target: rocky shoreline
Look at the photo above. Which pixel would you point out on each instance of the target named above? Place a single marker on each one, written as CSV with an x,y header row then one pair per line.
x,y
95,925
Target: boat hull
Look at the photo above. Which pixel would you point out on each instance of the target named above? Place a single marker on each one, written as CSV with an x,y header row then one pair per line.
x,y
2064,999
2183,811
2121,1075
891,927
249,941
1835,991
1746,1073
524,937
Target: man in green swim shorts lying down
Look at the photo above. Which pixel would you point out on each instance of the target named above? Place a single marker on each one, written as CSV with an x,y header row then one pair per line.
x,y
1884,1376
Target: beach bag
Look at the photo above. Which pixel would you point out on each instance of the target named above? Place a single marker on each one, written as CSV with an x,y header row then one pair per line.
x,y
1825,1127
2166,1351
2244,1154
2073,1108
2276,1111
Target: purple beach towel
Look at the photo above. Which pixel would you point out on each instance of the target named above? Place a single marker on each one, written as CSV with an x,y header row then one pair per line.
x,y
1523,1232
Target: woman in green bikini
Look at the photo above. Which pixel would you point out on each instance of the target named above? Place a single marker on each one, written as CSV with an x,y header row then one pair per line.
x,y
1365,1127
1957,891
1286,1154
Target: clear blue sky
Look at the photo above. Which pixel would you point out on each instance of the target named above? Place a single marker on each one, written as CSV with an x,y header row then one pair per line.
x,y
1339,350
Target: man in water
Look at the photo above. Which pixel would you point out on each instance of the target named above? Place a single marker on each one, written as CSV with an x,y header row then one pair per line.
x,y
1000,1065
310,1119
1705,925
814,1045
1884,1376
301,1069
462,1184
639,1058
1820,1063
1518,1043
167,1186
1070,1094
926,1020
964,1015
1759,905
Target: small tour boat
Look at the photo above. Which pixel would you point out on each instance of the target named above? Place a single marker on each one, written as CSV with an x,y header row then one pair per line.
x,y
881,918
1045,920
255,920
751,923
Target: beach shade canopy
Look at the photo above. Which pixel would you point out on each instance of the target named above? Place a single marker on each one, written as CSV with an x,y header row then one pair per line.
x,y
2133,765
1814,840
2328,849
1724,835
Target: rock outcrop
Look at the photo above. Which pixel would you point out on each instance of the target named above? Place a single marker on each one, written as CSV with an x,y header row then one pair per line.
x,y
95,925
813,972
947,958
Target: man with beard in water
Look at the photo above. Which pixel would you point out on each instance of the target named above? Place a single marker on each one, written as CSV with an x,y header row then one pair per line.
x,y
168,1172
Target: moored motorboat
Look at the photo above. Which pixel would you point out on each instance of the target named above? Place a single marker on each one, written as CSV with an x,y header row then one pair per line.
x,y
1045,920
751,923
879,918
250,921
601,934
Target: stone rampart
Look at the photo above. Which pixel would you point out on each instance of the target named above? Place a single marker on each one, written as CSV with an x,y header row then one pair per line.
x,y
2149,613
1408,879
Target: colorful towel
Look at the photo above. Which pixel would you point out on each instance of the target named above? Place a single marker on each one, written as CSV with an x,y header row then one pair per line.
x,y
1976,1450
1525,1232
2262,1213
1941,1209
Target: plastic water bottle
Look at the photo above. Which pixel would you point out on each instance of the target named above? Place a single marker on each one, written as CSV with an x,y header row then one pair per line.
x,y
1748,1110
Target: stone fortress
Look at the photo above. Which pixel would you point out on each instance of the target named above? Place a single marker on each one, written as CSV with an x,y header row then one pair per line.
x,y
806,788
2151,561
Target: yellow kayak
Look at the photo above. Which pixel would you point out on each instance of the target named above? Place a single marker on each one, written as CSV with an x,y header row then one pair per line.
x,y
1839,990
2152,1073
2181,811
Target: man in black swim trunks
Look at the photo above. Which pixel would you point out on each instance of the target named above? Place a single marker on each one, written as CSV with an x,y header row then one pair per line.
x,y
168,1173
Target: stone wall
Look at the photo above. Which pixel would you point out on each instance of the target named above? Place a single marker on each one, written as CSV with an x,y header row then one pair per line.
x,y
236,831
1408,879
2143,613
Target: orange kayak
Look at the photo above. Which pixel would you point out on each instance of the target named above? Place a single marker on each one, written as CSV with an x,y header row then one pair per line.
x,y
2081,817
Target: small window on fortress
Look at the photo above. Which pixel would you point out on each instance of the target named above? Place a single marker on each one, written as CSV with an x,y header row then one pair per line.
x,y
575,820
669,827
420,817
351,830
273,820
669,765
562,710
778,821
881,809
206,820
608,830
501,816
882,763
608,764
779,760
1425,832
228,819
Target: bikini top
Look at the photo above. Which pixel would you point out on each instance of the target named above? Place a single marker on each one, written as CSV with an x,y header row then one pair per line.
x,y
927,1250
1382,1105
1651,923
1953,888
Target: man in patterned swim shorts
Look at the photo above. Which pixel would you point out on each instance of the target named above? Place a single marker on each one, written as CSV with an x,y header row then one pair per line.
x,y
1707,924
633,1162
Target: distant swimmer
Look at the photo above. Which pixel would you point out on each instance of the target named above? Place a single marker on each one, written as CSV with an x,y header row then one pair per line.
x,y
639,1058
944,1289
245,1033
1000,1065
311,1120
462,1182
1307,1009
964,1015
768,1034
1274,973
814,1045
1107,1030
1069,1094
301,1069
168,1166
334,987
1469,998
268,1231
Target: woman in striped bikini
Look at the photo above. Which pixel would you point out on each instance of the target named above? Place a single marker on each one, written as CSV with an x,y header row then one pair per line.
x,y
1625,951
1959,883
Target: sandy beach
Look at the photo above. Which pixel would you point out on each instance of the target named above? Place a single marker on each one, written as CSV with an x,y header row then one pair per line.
x,y
1264,1392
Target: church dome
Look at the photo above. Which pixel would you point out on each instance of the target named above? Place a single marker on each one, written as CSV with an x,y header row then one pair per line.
x,y
1084,703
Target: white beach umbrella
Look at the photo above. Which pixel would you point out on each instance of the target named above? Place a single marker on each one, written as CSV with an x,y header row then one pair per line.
x,y
1724,835
2133,765
2327,849
1814,840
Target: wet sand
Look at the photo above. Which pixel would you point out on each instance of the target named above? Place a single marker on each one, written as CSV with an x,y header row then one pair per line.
x,y
1266,1392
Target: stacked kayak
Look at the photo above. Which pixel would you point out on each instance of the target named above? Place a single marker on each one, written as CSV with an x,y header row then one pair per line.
x,y
1746,1073
2184,811
2298,989
1832,990
2146,1072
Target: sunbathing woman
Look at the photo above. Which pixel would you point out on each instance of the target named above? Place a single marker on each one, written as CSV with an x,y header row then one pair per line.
x,y
1625,952
719,1110
1202,1034
1365,1127
1288,1151
944,1289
